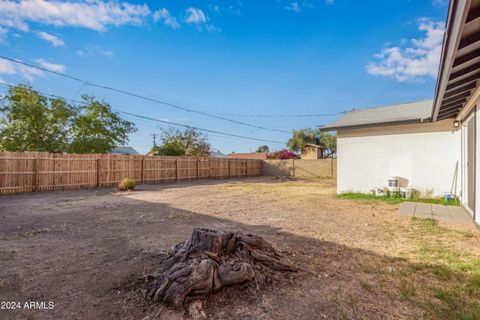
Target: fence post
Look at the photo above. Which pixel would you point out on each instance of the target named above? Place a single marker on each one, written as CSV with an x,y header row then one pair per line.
x,y
198,168
98,172
35,174
229,160
176,169
331,166
293,167
142,171
209,168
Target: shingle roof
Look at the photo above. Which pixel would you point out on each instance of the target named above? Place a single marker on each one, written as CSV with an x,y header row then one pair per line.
x,y
406,112
217,154
124,150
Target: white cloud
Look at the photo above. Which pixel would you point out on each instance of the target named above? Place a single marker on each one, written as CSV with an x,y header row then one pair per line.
x,y
414,62
195,16
234,10
439,2
298,6
226,9
294,6
54,40
50,66
90,14
10,69
212,28
3,35
7,67
82,53
198,18
106,53
94,49
168,19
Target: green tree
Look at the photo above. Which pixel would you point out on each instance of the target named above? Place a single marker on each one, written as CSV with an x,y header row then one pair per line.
x,y
194,143
31,122
303,136
97,129
172,148
329,143
300,138
263,148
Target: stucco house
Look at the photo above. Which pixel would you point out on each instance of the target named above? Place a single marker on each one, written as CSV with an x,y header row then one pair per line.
x,y
431,144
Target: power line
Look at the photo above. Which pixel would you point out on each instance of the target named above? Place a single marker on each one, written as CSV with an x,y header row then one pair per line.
x,y
197,128
283,115
158,120
86,83
79,90
44,69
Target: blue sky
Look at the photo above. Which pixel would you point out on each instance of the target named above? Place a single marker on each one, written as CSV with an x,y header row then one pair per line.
x,y
229,58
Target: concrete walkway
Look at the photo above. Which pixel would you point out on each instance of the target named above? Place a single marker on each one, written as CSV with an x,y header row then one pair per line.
x,y
435,211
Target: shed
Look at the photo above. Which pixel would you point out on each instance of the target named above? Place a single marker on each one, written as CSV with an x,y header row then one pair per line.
x,y
312,152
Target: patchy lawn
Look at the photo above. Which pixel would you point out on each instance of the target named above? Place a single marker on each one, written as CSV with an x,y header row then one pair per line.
x,y
361,260
396,199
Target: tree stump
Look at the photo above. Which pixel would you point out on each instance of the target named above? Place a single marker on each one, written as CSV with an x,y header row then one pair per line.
x,y
210,260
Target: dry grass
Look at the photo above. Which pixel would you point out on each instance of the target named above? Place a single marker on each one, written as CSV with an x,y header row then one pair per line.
x,y
288,190
431,268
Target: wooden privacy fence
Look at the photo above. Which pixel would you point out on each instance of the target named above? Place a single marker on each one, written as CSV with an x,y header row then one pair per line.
x,y
321,168
32,171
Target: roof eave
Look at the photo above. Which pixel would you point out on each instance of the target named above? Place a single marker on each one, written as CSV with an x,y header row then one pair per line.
x,y
373,125
456,16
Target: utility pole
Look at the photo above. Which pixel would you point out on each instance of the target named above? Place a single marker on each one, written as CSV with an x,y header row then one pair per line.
x,y
154,135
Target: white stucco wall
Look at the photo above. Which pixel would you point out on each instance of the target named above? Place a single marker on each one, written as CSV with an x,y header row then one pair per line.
x,y
477,165
427,154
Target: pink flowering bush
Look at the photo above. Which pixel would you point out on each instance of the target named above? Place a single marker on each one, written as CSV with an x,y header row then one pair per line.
x,y
282,155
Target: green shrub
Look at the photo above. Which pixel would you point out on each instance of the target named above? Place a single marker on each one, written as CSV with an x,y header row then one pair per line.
x,y
172,148
126,184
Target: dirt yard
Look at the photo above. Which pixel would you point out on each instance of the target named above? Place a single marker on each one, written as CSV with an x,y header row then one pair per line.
x,y
84,250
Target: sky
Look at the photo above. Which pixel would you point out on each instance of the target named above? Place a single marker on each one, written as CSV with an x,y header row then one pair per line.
x,y
249,61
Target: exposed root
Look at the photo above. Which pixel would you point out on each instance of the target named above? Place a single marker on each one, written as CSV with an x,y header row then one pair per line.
x,y
210,260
